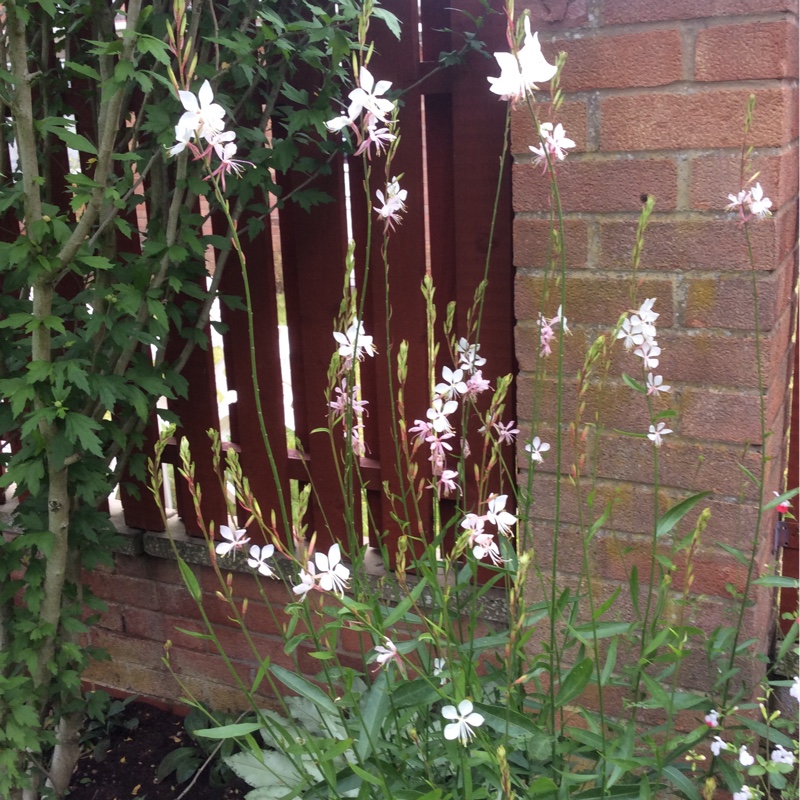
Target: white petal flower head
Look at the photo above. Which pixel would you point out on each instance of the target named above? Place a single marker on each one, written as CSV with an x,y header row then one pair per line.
x,y
657,433
394,203
738,201
258,558
743,794
386,653
464,720
554,141
745,759
758,204
234,540
331,573
439,669
496,513
308,580
536,448
355,342
202,115
438,413
646,313
795,690
712,720
718,745
485,545
655,384
632,336
468,358
521,73
452,383
649,354
780,755
368,96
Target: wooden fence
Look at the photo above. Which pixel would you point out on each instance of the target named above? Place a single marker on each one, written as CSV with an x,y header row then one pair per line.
x,y
452,132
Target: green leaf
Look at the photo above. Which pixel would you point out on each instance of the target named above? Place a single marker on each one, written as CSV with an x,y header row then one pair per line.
x,y
680,781
416,693
506,721
365,776
389,19
777,581
675,514
634,384
229,731
405,604
303,687
574,682
62,129
82,429
83,69
189,579
781,498
374,708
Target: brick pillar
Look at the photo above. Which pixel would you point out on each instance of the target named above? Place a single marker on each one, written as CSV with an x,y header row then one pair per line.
x,y
655,97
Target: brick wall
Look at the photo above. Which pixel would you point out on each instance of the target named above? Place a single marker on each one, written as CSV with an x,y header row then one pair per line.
x,y
655,98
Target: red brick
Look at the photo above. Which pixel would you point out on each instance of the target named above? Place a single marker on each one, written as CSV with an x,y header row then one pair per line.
x,y
555,14
598,185
720,416
714,177
592,298
532,238
697,119
726,301
601,60
124,590
572,114
171,625
142,623
746,51
699,243
615,12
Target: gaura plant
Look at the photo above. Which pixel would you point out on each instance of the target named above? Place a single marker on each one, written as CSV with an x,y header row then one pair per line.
x,y
444,700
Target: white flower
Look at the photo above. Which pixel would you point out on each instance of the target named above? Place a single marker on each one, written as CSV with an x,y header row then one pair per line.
x,y
354,342
473,523
368,95
656,433
258,557
554,141
505,432
632,335
536,448
438,413
795,690
649,354
439,667
380,137
384,655
780,755
496,513
743,794
468,357
758,204
485,545
655,384
712,720
184,137
236,540
447,482
452,383
737,201
337,123
465,719
393,204
331,573
308,580
745,759
718,745
520,74
202,116
646,313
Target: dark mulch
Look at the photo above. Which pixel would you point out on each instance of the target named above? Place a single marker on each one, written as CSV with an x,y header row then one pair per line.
x,y
129,767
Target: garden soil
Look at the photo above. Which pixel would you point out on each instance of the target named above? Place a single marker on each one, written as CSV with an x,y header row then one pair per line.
x,y
128,769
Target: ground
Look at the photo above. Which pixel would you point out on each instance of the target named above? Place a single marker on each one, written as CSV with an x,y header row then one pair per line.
x,y
129,767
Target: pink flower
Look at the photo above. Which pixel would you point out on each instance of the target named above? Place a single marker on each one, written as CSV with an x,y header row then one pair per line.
x,y
447,482
384,655
226,152
476,384
784,506
423,430
505,432
712,719
393,204
657,433
380,137
655,384
554,141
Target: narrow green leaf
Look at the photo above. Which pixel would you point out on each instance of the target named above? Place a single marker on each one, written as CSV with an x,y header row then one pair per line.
x,y
303,687
634,384
675,514
402,608
374,708
507,721
777,581
189,579
364,775
574,682
229,731
680,781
